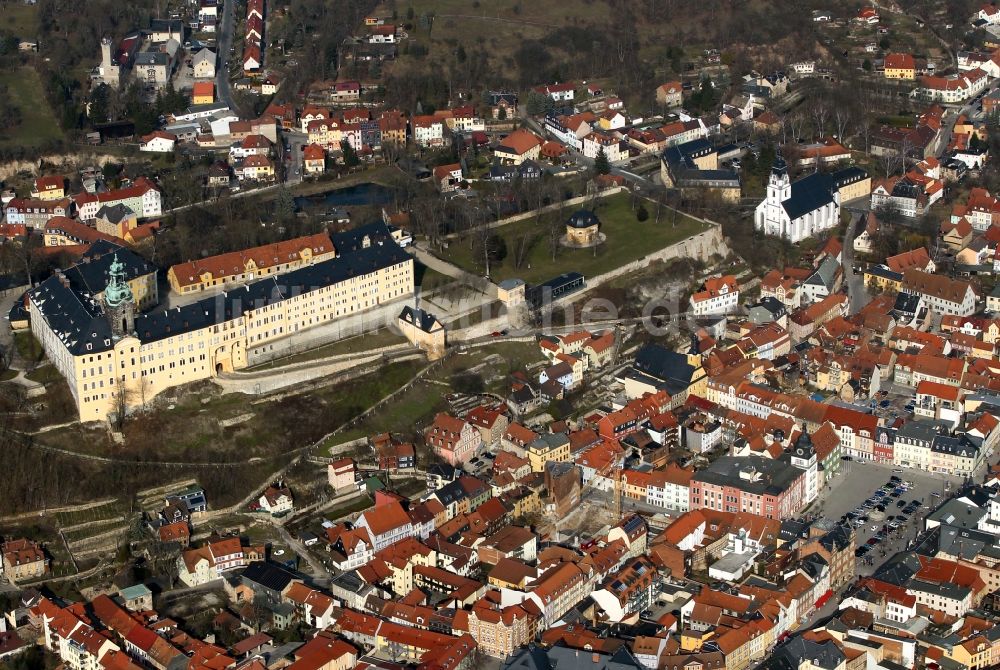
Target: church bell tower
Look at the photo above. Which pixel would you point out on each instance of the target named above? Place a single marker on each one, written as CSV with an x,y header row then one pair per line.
x,y
119,304
779,187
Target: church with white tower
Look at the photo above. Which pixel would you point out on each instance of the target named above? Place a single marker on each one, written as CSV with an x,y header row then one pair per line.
x,y
797,210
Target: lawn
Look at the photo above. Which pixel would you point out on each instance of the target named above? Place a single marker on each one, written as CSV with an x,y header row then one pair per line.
x,y
47,374
21,19
429,279
28,348
627,240
412,410
38,123
500,26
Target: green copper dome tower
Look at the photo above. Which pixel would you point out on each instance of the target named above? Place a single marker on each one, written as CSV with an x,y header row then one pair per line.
x,y
119,303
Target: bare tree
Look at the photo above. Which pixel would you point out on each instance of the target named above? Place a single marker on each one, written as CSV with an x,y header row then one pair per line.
x,y
842,118
123,396
796,122
522,248
891,162
865,130
820,113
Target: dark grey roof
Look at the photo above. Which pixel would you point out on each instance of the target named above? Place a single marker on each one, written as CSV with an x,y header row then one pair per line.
x,y
963,445
899,569
69,306
269,576
356,260
767,308
496,96
450,493
559,468
904,188
166,25
826,655
90,275
147,58
943,589
583,218
772,476
442,470
884,272
792,530
906,303
848,175
919,431
663,364
423,320
115,213
958,513
76,319
839,538
809,194
826,274
965,543
536,658
680,160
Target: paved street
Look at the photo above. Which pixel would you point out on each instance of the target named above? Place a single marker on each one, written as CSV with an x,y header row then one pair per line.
x,y
295,171
222,57
854,282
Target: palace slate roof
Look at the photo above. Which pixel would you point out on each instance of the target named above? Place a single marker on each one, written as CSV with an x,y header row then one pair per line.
x,y
78,319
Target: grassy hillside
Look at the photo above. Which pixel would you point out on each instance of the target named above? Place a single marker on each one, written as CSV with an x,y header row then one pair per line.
x,y
37,124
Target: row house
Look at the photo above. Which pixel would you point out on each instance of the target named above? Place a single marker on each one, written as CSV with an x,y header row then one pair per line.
x,y
427,130
491,422
629,591
855,429
718,295
773,489
951,89
570,129
454,440
499,631
913,442
36,213
143,197
226,270
61,231
935,400
628,419
670,488
911,369
386,524
209,562
560,588
614,149
981,210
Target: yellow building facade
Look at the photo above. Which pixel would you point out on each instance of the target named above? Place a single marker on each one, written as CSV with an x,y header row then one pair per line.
x,y
114,359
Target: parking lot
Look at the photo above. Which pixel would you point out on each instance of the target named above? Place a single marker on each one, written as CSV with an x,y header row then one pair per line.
x,y
858,482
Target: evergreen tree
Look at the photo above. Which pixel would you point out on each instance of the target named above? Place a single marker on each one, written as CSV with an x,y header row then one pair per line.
x,y
284,205
350,156
601,164
98,112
